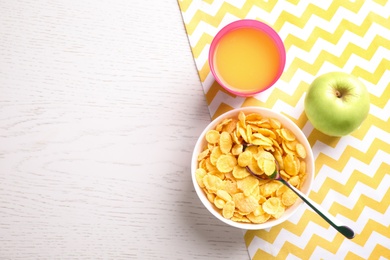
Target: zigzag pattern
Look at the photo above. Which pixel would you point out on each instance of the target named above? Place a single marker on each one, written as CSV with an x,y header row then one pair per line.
x,y
352,178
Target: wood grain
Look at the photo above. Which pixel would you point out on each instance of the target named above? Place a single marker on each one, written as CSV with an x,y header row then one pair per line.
x,y
100,107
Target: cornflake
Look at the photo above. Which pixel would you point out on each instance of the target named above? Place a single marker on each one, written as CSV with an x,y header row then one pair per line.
x,y
253,141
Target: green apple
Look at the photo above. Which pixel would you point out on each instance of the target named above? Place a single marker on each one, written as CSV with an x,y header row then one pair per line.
x,y
337,103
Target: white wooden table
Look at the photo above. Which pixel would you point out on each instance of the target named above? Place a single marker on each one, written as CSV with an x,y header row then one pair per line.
x,y
100,107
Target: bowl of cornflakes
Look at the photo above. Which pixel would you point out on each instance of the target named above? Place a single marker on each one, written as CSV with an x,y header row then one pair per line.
x,y
248,139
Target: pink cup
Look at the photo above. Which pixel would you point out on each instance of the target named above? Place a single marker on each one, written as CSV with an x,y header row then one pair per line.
x,y
270,33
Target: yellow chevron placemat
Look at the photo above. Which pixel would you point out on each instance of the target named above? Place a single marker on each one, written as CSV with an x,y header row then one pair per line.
x,y
352,178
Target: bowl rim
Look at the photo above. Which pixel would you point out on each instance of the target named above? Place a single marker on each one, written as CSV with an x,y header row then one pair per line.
x,y
247,23
310,168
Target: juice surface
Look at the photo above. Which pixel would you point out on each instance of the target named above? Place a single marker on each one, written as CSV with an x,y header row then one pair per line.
x,y
246,60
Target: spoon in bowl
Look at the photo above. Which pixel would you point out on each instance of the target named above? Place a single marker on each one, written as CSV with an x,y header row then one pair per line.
x,y
338,225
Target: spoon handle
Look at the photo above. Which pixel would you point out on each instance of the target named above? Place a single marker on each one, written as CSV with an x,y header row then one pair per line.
x,y
338,225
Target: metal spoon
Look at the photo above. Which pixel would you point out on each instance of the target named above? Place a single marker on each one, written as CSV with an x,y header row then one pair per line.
x,y
337,224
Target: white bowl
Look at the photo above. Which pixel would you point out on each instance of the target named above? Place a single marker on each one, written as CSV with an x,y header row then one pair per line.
x,y
287,123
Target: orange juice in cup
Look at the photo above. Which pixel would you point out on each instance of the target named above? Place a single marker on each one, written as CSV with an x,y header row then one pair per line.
x,y
247,57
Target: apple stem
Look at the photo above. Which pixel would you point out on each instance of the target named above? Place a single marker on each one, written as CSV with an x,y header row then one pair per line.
x,y
338,94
